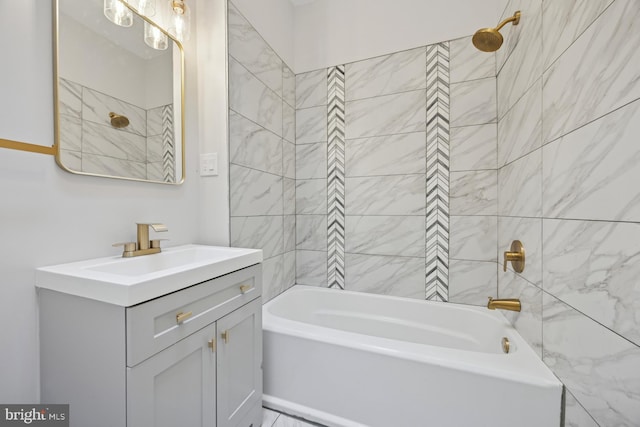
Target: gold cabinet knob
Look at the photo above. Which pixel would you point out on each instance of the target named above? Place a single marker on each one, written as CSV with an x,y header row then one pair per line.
x,y
245,288
212,345
225,336
516,255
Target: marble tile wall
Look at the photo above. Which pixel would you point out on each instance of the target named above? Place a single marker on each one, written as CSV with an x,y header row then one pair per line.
x,y
474,174
262,152
569,108
88,142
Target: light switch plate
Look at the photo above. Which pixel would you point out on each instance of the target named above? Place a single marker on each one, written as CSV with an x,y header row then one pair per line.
x,y
209,164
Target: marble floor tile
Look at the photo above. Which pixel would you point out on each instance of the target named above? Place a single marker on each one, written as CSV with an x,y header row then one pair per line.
x,y
287,421
575,415
269,417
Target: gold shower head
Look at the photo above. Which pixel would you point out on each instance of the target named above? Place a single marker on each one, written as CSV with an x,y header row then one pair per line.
x,y
118,121
490,39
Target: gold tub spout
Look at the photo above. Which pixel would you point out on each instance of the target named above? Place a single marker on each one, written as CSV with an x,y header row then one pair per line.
x,y
512,304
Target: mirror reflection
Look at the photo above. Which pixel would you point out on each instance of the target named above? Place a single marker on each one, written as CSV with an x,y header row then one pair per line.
x,y
119,94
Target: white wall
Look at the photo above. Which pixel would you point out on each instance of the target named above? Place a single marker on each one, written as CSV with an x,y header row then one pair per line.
x,y
49,216
332,32
273,19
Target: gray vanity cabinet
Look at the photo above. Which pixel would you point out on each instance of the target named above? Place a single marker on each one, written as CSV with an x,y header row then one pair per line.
x,y
191,358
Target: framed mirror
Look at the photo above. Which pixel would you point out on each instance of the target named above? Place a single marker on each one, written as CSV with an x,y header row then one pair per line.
x,y
119,93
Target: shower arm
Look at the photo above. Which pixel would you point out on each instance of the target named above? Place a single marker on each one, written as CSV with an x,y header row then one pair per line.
x,y
515,19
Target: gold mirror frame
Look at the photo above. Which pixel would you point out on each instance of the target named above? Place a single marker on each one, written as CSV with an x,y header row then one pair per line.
x,y
55,149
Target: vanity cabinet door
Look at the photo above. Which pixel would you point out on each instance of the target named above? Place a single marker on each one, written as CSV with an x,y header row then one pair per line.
x,y
239,366
176,387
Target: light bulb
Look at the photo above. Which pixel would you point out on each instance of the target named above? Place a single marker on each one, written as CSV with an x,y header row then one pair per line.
x,y
146,7
155,38
118,13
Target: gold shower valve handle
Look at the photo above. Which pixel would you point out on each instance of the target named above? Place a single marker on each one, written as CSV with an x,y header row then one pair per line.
x,y
516,255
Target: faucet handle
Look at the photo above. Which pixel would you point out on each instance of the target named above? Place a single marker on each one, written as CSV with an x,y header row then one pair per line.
x,y
155,243
128,246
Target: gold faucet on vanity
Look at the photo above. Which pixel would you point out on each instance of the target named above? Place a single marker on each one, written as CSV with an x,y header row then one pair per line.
x,y
511,304
143,246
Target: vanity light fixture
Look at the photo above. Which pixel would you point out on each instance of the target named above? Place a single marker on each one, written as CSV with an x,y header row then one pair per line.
x,y
118,13
180,26
155,38
146,7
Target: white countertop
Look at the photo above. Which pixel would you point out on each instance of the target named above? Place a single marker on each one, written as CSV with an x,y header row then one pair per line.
x,y
130,281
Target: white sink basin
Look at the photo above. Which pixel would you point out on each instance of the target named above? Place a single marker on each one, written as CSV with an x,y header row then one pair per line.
x,y
130,281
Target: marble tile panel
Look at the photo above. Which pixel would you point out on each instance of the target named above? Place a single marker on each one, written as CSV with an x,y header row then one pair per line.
x,y
311,196
471,282
385,195
513,33
269,417
384,75
273,277
251,50
386,155
311,125
290,233
524,65
474,147
288,159
70,133
70,98
385,235
601,369
155,171
311,232
592,173
564,21
288,123
520,130
289,275
253,99
311,89
288,86
96,107
598,72
110,142
519,187
529,232
255,193
103,165
154,121
253,146
311,268
311,161
386,115
473,238
289,196
528,322
71,159
468,63
385,275
593,266
258,232
473,103
473,193
155,147
575,415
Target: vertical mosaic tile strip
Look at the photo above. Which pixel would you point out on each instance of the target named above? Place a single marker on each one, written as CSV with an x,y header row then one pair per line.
x,y
168,145
437,244
335,179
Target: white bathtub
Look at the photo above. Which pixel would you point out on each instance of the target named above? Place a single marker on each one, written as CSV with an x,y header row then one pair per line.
x,y
352,359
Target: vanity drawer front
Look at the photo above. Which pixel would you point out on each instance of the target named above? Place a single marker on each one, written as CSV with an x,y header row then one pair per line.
x,y
155,325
